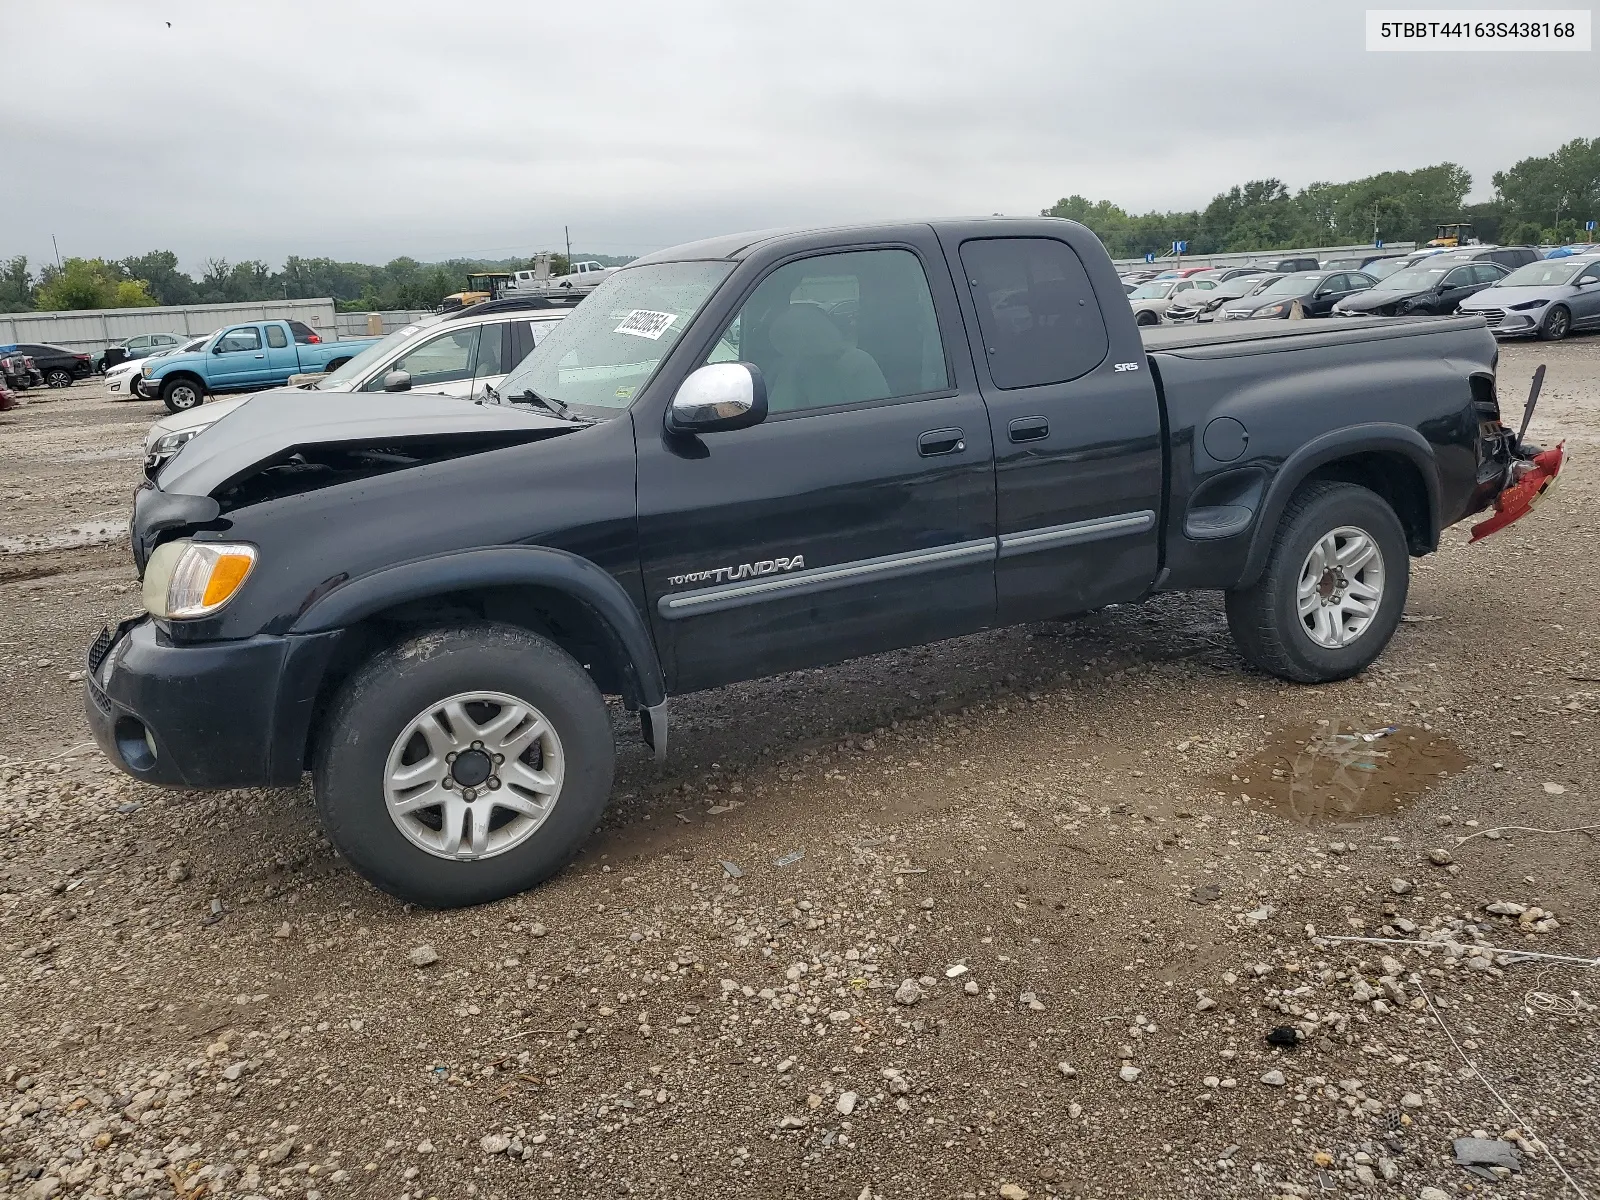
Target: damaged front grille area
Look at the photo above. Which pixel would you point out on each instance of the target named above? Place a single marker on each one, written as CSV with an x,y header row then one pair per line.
x,y
304,469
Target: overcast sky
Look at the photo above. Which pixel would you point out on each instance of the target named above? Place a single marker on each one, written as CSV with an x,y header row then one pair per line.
x,y
369,130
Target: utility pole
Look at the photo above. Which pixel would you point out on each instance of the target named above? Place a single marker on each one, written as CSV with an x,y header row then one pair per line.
x,y
567,229
57,250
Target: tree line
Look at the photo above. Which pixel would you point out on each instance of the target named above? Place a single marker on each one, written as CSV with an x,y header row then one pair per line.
x,y
1538,200
154,278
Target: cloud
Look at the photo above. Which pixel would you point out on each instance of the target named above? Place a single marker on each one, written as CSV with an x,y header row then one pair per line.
x,y
368,130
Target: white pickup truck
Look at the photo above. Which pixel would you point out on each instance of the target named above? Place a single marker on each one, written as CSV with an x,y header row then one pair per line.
x,y
583,277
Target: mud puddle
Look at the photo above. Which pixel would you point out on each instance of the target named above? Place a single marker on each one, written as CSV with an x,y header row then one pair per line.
x,y
1336,771
88,533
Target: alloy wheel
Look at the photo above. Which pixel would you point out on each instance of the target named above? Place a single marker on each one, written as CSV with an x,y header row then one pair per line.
x,y
474,775
1341,587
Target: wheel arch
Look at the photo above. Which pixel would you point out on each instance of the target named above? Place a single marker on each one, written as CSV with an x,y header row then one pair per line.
x,y
1394,461
577,605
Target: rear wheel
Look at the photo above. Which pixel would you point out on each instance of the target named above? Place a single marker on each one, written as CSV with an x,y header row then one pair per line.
x,y
1333,589
335,365
58,377
464,765
180,395
1556,325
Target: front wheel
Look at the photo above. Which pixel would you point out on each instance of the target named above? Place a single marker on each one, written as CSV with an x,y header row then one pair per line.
x,y
1333,589
58,377
180,395
1146,318
464,765
1556,325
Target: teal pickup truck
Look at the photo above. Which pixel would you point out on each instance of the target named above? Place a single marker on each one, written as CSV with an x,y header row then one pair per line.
x,y
245,358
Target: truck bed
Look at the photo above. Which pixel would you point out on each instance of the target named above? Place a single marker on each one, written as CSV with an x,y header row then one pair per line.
x,y
1225,338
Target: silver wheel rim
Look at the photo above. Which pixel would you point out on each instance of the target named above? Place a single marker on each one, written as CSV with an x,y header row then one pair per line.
x,y
1558,322
473,776
1341,587
184,397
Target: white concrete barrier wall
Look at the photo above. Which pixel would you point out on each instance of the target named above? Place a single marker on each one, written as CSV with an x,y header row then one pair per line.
x,y
94,329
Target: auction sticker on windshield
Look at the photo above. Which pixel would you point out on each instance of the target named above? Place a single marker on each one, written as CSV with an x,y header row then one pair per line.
x,y
642,322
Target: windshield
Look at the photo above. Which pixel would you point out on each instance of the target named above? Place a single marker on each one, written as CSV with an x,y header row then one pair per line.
x,y
605,351
1544,274
1243,285
359,365
1153,290
1384,267
1291,285
1418,279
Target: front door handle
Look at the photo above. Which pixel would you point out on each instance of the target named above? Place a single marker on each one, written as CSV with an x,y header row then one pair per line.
x,y
941,441
1028,429
261,356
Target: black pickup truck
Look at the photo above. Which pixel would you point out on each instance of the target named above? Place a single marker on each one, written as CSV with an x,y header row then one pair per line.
x,y
741,457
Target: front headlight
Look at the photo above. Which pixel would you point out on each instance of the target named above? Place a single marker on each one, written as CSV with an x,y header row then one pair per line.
x,y
194,579
147,369
1527,304
1271,310
171,443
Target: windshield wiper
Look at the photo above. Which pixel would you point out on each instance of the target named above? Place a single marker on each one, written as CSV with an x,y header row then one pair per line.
x,y
550,403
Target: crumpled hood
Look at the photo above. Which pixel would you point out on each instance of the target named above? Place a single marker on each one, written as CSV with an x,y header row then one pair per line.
x,y
1375,298
273,425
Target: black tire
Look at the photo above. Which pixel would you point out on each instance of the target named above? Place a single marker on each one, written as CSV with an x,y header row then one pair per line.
x,y
1264,617
1556,325
1146,318
58,377
397,685
181,394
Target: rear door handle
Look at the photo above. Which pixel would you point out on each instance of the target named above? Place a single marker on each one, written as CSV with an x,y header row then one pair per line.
x,y
941,441
1028,429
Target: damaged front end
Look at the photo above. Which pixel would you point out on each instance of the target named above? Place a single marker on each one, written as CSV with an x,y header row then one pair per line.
x,y
1530,475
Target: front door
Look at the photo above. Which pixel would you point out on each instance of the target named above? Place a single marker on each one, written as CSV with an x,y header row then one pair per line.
x,y
1075,422
238,360
443,364
1586,300
860,515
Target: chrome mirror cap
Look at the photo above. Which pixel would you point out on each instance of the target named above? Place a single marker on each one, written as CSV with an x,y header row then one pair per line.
x,y
719,396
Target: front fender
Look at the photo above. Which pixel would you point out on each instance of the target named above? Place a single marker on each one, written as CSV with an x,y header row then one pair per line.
x,y
501,566
1379,437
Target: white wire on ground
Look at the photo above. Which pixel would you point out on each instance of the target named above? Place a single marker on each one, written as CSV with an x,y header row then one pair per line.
x,y
1376,941
1483,1079
1523,829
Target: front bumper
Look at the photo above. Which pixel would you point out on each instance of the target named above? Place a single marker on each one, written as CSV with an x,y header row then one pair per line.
x,y
207,715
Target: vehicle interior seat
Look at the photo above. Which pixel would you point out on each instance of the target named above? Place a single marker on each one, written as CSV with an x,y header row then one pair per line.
x,y
815,363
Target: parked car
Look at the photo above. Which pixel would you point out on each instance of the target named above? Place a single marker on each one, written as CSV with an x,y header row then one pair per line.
x,y
1289,266
1316,292
244,358
123,381
424,601
8,398
1569,251
1182,272
1202,306
1359,262
1432,288
1547,299
139,346
1149,301
464,353
15,371
58,365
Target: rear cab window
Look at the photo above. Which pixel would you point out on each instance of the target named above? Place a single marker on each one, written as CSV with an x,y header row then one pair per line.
x,y
1037,311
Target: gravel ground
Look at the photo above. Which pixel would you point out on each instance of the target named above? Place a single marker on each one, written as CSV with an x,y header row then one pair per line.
x,y
1008,916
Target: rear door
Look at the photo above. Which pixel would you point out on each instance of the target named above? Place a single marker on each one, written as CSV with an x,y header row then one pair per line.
x,y
283,360
859,516
238,360
1076,425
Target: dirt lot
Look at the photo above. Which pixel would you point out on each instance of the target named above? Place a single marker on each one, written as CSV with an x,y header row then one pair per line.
x,y
1052,900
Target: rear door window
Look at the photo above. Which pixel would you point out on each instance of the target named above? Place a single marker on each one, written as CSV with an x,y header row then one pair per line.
x,y
276,338
1037,311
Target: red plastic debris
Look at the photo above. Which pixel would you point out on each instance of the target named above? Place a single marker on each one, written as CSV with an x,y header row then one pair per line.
x,y
1534,479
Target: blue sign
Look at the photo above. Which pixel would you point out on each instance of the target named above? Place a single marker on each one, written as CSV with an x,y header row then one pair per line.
x,y
1149,256
1378,245
1180,247
1589,225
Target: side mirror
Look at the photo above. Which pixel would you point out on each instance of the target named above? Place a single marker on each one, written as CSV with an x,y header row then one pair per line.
x,y
717,397
217,349
397,381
